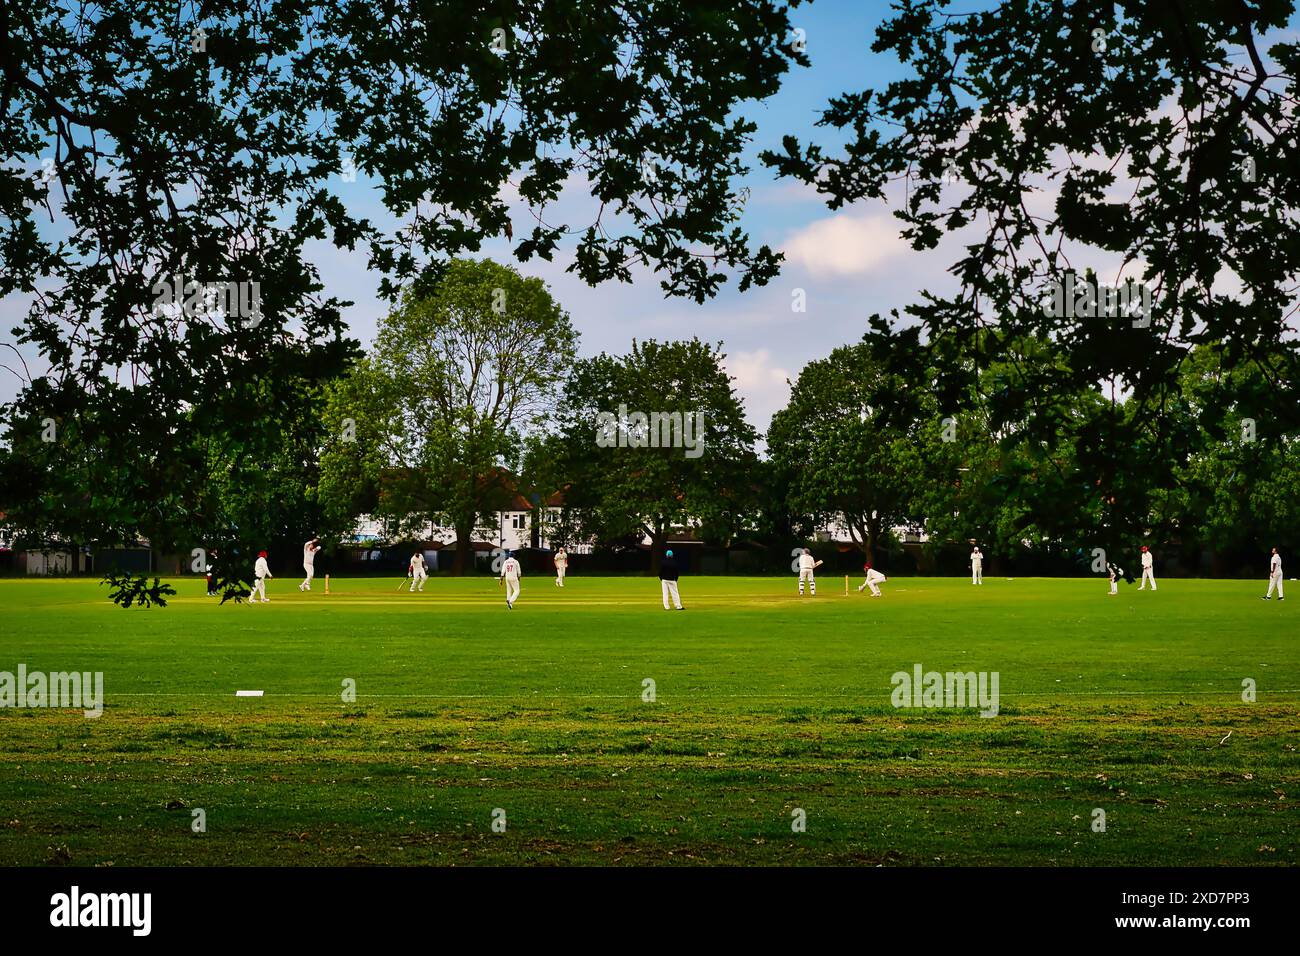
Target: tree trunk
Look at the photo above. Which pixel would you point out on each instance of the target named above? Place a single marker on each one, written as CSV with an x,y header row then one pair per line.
x,y
464,548
1218,564
656,551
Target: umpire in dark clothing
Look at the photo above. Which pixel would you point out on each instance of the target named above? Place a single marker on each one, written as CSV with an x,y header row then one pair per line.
x,y
668,581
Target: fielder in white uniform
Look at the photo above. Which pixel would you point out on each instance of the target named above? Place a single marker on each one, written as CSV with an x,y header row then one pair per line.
x,y
561,565
309,562
976,567
1148,570
261,571
418,573
873,580
1275,577
510,573
806,567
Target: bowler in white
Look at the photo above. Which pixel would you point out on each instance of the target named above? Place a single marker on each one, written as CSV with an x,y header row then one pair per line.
x,y
1275,577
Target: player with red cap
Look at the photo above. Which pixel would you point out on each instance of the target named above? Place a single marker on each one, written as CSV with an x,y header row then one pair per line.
x,y
261,571
1148,572
873,581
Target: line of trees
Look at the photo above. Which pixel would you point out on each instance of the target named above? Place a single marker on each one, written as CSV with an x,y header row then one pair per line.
x,y
474,395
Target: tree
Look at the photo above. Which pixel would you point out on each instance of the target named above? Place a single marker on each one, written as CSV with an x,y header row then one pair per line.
x,y
195,487
174,148
963,492
542,479
848,442
1164,143
1237,493
438,409
655,440
1003,475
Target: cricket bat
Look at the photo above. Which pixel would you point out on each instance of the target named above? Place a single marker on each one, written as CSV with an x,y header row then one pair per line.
x,y
819,564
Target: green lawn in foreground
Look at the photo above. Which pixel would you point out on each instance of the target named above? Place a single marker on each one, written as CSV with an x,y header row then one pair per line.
x,y
765,703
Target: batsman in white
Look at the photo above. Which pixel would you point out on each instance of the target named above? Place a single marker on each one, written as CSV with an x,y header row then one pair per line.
x,y
976,566
806,567
510,574
1275,577
418,572
561,565
309,562
1148,570
261,571
873,581
1115,572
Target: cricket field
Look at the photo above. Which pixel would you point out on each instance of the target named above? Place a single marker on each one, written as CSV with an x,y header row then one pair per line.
x,y
589,726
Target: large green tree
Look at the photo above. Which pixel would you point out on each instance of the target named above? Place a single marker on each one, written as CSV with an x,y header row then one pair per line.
x,y
1239,491
848,442
151,144
432,419
652,441
1006,473
63,490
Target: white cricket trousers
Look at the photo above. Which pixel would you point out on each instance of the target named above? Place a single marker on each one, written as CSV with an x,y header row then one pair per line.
x,y
512,589
669,589
812,582
559,576
311,573
1275,580
977,575
259,587
418,578
1148,575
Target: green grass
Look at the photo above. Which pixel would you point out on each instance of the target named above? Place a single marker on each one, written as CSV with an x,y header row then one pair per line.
x,y
765,703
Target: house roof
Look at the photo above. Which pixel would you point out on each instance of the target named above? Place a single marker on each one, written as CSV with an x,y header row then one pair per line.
x,y
478,546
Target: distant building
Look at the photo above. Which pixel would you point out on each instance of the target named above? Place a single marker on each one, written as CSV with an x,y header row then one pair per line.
x,y
520,526
836,531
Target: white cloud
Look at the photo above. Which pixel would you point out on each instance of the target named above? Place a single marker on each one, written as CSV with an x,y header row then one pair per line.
x,y
761,383
846,244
